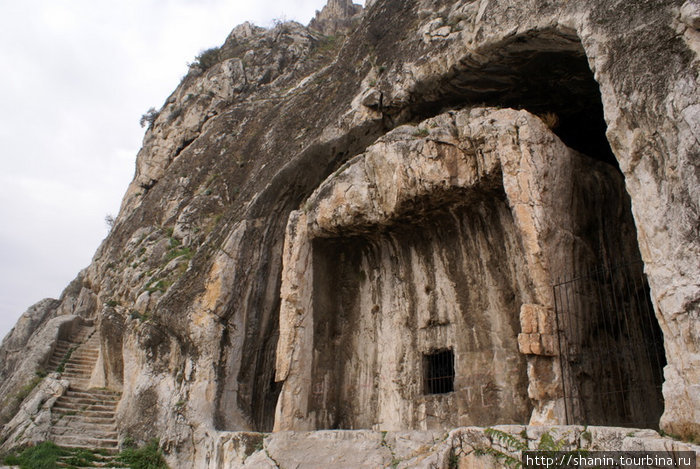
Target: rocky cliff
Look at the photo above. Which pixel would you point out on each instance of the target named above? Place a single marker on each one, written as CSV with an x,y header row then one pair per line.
x,y
321,214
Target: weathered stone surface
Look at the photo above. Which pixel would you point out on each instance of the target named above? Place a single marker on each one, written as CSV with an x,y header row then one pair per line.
x,y
377,268
32,359
312,450
188,282
32,422
338,16
13,349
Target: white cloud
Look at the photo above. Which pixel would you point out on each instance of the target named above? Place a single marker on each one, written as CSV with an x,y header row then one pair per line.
x,y
77,75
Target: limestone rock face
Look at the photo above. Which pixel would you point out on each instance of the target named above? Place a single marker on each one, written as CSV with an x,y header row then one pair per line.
x,y
27,363
444,236
416,449
542,137
338,16
13,346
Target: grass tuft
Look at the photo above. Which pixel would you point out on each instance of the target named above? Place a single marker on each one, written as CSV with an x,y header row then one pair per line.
x,y
146,457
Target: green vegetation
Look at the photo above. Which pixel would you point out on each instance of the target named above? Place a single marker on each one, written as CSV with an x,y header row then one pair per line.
x,y
146,457
129,442
176,251
112,303
173,253
82,458
515,445
25,390
149,117
206,59
62,366
453,462
160,285
141,317
692,438
42,456
421,133
48,455
329,44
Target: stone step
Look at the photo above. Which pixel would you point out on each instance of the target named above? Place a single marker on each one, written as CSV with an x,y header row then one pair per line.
x,y
71,405
81,364
86,361
79,368
95,392
78,353
77,373
106,464
84,354
72,421
85,351
83,385
82,409
84,431
57,418
80,400
64,347
85,348
59,354
72,375
82,406
86,412
81,359
86,443
74,369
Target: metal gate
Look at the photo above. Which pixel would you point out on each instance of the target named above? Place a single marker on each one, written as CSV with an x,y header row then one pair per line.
x,y
611,348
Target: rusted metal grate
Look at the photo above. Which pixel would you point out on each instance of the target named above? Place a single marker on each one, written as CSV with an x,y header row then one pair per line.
x,y
611,348
439,372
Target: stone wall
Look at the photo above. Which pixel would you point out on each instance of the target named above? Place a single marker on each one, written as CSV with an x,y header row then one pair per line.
x,y
413,449
448,235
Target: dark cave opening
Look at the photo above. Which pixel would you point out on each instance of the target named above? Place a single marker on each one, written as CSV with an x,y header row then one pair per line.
x,y
547,73
543,72
439,372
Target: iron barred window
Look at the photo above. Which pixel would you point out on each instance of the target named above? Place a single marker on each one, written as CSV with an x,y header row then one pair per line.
x,y
439,372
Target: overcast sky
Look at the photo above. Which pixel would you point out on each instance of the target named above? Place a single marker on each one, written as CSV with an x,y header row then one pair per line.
x,y
76,76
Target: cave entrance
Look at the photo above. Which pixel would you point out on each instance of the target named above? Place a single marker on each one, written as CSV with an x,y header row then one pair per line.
x,y
611,342
545,72
611,348
408,323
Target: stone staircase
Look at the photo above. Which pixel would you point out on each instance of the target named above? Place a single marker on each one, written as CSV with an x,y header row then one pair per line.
x,y
83,417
